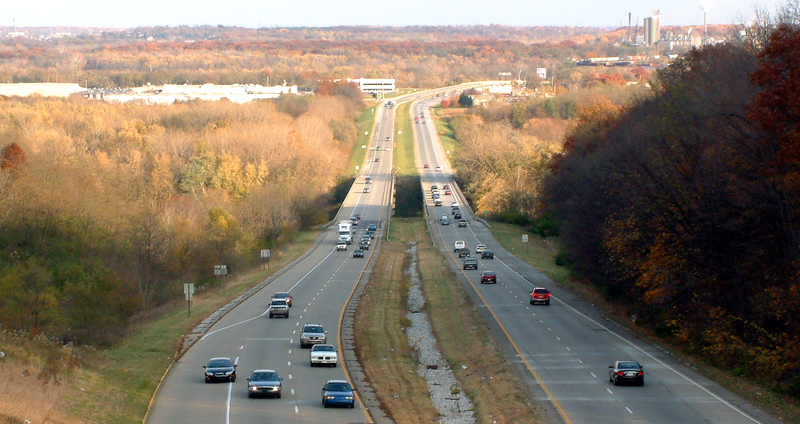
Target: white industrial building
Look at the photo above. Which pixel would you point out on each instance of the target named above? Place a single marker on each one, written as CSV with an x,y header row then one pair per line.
x,y
170,93
375,85
42,89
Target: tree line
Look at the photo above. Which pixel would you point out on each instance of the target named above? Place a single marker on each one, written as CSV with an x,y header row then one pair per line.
x,y
106,209
683,206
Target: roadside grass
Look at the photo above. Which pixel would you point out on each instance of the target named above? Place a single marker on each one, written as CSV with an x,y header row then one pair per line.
x,y
404,157
364,123
116,385
543,259
442,120
491,382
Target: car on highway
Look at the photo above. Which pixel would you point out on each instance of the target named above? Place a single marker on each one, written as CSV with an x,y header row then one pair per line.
x,y
388,138
457,215
378,159
426,166
313,334
626,372
487,254
341,246
220,369
338,393
480,248
459,244
439,168
448,192
365,239
358,253
265,383
371,233
540,295
368,180
283,295
455,210
446,187
469,263
365,190
386,148
462,223
357,216
444,220
434,187
323,354
437,202
353,221
454,205
463,253
279,307
363,247
488,277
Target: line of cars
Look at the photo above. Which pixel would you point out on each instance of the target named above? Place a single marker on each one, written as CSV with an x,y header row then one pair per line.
x,y
268,383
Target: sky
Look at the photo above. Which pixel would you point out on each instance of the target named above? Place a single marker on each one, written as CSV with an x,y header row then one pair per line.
x,y
322,13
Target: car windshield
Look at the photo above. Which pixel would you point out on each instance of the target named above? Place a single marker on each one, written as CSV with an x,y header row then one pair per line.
x,y
264,376
313,329
628,366
338,387
220,363
281,295
278,303
323,348
540,291
488,274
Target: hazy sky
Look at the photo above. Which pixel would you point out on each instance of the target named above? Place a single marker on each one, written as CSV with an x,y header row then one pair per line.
x,y
290,13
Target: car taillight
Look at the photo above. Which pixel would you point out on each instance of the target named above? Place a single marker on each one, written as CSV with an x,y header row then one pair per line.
x,y
619,373
641,372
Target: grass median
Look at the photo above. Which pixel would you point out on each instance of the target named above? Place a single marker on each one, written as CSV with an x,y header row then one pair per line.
x,y
491,382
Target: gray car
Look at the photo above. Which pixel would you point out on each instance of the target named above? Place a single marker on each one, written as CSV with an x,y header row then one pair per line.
x,y
313,334
279,307
264,383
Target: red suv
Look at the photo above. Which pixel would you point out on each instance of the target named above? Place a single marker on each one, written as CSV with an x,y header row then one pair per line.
x,y
540,295
488,277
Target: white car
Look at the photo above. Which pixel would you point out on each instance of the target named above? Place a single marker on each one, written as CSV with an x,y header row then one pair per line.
x,y
480,248
454,205
341,246
323,354
439,168
459,244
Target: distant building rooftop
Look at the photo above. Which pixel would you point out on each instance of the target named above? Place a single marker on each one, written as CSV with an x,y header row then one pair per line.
x,y
42,89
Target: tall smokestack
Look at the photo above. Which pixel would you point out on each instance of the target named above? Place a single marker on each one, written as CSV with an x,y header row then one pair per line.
x,y
629,27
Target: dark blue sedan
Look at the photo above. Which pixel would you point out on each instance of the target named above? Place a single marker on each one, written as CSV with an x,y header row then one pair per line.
x,y
338,393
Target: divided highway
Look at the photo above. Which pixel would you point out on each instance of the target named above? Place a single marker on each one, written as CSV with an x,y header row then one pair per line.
x,y
567,346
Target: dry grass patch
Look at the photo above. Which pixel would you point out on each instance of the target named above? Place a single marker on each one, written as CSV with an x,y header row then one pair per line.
x,y
381,344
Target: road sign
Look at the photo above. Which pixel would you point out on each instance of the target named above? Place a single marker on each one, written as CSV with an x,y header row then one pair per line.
x,y
188,289
265,253
524,238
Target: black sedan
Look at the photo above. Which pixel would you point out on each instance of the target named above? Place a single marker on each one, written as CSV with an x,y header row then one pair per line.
x,y
626,371
220,369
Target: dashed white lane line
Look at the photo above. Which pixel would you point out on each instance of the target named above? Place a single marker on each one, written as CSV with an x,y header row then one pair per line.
x,y
558,338
580,361
241,347
609,391
629,410
290,363
290,352
296,410
548,329
305,310
292,392
592,374
290,376
568,350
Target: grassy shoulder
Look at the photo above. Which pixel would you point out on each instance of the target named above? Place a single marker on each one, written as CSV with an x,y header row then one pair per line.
x,y
404,157
441,119
115,385
540,256
491,382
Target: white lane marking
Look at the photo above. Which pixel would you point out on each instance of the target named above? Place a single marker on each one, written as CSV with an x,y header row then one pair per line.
x,y
292,392
290,351
568,350
310,271
629,410
305,310
269,339
580,361
592,374
558,338
301,317
548,329
290,363
228,414
241,347
294,331
290,376
296,410
236,362
232,325
296,324
609,391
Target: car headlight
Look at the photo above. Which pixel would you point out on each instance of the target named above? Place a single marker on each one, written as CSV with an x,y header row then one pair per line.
x,y
348,397
329,397
228,372
209,373
252,388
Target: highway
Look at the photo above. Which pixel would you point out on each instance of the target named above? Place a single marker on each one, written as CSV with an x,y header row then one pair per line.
x,y
321,285
565,348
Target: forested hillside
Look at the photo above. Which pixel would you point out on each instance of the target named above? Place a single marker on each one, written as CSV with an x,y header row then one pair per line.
x,y
106,209
683,207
